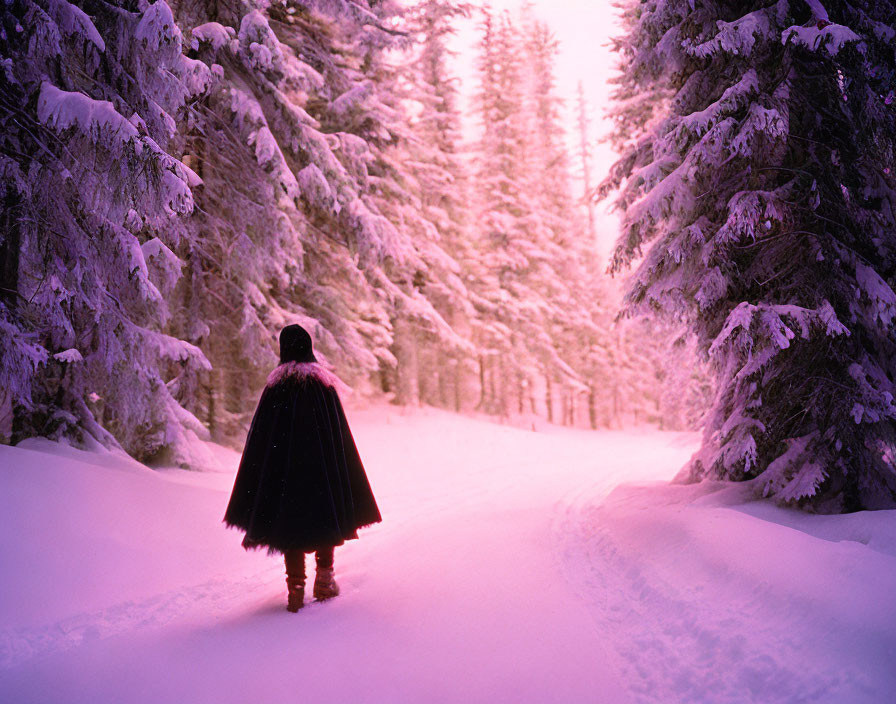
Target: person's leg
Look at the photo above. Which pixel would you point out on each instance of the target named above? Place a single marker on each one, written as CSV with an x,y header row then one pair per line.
x,y
325,586
324,557
295,579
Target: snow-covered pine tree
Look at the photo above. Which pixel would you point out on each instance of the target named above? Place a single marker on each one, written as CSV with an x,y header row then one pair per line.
x,y
519,290
295,136
498,218
604,365
685,381
662,378
552,269
420,285
580,319
434,213
90,96
757,169
302,113
583,124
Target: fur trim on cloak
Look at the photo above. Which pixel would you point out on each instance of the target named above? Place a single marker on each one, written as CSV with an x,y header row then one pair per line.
x,y
302,371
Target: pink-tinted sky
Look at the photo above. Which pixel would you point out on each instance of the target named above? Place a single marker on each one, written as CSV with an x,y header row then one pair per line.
x,y
583,29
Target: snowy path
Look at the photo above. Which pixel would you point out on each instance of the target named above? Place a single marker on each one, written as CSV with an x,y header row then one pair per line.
x,y
458,596
510,567
708,596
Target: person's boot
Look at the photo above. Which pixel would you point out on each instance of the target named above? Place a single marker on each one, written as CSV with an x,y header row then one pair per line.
x,y
295,593
295,580
325,586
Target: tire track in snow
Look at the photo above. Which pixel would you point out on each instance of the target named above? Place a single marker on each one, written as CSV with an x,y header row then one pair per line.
x,y
675,644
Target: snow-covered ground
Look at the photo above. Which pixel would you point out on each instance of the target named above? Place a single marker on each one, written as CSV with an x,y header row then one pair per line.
x,y
511,566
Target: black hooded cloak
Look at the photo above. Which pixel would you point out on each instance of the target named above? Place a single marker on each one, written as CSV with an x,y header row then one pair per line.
x,y
300,484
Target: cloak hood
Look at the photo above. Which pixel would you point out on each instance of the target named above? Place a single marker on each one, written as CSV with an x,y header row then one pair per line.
x,y
295,345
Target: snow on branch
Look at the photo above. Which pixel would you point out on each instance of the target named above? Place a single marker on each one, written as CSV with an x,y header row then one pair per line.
x,y
770,322
159,33
832,37
259,47
875,393
74,21
250,118
175,194
69,356
737,37
674,194
216,34
749,214
877,292
167,347
734,97
796,473
63,109
315,190
165,266
356,12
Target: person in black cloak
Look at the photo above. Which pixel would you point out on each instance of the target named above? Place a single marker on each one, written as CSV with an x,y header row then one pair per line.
x,y
301,486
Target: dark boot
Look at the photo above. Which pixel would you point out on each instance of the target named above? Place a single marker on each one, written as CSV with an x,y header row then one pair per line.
x,y
325,586
295,579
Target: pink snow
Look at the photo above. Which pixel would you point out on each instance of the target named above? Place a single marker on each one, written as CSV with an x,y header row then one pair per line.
x,y
510,566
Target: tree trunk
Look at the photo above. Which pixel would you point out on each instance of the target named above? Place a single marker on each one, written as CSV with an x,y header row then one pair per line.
x,y
494,399
458,384
481,405
407,391
616,404
11,413
211,407
549,398
585,153
592,406
445,376
10,248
